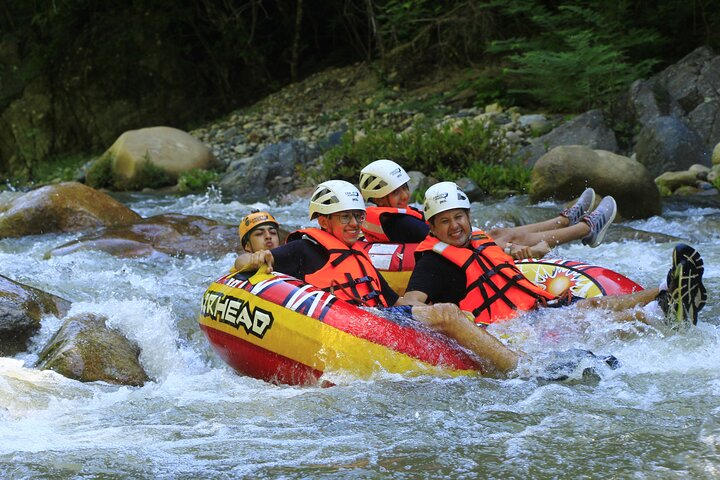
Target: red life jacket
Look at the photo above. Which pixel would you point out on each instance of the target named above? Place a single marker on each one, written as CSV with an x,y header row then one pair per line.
x,y
372,227
494,287
348,274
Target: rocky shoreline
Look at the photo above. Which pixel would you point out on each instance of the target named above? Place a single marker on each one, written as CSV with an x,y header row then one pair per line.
x,y
675,117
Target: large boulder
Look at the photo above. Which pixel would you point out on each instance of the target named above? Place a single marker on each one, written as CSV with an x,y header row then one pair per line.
x,y
270,173
688,90
64,207
86,349
21,308
160,235
564,172
589,129
168,149
667,144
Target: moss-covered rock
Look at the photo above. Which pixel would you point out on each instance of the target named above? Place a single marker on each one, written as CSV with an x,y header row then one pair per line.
x,y
86,349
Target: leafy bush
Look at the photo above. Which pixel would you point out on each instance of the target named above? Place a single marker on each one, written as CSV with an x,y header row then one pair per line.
x,y
101,175
473,149
63,168
197,180
578,60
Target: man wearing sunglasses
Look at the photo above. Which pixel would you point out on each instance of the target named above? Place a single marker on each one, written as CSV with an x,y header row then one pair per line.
x,y
328,258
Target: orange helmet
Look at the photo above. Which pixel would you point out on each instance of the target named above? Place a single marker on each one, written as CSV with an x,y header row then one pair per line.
x,y
254,219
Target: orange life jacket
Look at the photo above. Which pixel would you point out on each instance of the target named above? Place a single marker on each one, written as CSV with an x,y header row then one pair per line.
x,y
348,274
494,287
372,227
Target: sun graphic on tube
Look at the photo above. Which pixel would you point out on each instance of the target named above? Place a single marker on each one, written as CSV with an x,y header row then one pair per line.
x,y
556,279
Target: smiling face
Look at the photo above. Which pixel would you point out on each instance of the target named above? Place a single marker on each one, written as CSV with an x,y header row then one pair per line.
x,y
263,237
452,227
345,225
398,198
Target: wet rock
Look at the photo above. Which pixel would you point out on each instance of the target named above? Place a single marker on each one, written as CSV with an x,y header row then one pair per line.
x,y
64,207
716,155
623,233
86,349
565,172
160,236
21,308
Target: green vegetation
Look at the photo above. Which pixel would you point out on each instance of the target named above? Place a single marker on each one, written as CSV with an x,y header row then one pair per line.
x,y
70,70
60,169
100,175
197,180
576,60
472,149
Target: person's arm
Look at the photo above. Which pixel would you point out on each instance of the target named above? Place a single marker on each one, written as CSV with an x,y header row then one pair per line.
x,y
414,297
247,262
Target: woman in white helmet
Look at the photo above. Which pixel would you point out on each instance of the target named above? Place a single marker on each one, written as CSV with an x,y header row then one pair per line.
x,y
390,218
385,183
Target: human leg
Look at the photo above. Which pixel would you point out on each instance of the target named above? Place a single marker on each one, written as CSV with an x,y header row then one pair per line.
x,y
681,301
448,319
591,229
568,217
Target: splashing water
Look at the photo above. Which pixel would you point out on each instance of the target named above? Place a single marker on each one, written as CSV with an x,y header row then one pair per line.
x,y
654,417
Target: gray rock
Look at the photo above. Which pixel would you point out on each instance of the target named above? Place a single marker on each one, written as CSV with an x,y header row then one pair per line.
x,y
470,188
705,119
589,129
251,180
667,144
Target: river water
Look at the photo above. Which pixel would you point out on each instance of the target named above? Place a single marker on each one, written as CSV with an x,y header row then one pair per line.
x,y
657,416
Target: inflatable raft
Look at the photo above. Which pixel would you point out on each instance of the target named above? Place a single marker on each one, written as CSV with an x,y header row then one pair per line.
x,y
396,262
279,329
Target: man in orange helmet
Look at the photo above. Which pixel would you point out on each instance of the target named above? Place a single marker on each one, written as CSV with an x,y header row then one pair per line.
x,y
258,231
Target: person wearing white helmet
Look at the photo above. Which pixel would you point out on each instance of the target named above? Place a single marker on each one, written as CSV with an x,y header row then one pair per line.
x,y
385,183
464,266
390,218
326,257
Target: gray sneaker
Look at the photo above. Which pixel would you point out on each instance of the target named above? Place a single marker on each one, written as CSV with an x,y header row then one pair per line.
x,y
581,207
599,221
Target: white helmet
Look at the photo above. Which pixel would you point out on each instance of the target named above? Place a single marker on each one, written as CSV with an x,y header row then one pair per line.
x,y
380,178
444,196
335,196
